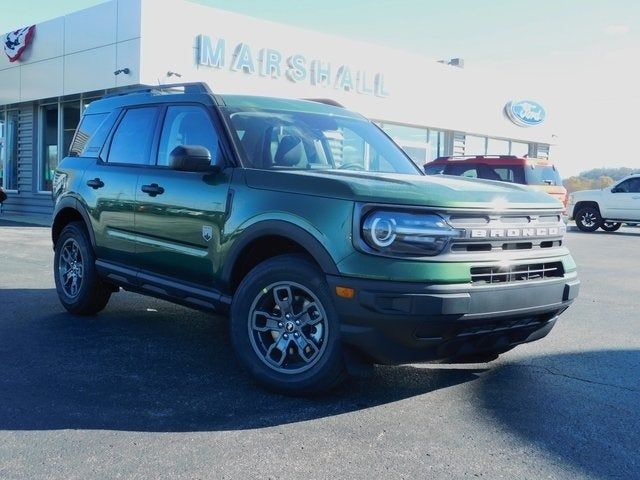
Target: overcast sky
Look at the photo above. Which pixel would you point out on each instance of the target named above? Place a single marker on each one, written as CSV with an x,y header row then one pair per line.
x,y
582,54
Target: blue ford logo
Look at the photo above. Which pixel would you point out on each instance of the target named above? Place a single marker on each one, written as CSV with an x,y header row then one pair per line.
x,y
525,113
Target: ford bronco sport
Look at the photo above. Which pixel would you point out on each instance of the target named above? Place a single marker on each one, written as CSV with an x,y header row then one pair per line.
x,y
325,245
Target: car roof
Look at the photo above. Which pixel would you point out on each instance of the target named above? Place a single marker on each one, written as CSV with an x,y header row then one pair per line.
x,y
490,160
260,103
200,93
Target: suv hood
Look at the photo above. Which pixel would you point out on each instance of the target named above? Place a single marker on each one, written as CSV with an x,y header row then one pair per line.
x,y
587,193
420,190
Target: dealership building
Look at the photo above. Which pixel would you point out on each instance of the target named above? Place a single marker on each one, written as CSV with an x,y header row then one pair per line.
x,y
50,72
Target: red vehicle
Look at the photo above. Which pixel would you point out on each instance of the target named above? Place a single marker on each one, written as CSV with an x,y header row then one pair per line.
x,y
537,173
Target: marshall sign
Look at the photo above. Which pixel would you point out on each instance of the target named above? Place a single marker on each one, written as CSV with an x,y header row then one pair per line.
x,y
268,62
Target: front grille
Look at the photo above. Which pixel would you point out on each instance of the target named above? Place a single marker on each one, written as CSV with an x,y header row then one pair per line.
x,y
485,233
516,273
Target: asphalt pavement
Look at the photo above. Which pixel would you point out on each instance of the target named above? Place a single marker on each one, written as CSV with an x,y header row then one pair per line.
x,y
151,390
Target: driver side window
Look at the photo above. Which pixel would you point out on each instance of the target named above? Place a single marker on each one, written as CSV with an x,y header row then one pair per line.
x,y
187,125
628,186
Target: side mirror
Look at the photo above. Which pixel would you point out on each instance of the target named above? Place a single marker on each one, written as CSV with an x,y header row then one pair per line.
x,y
192,158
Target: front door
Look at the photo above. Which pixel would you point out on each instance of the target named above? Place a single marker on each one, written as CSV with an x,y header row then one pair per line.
x,y
110,185
180,215
623,201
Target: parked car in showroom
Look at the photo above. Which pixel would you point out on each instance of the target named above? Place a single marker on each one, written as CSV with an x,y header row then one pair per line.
x,y
537,173
608,208
324,244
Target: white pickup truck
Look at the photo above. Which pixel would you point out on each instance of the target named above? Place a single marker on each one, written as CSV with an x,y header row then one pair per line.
x,y
608,208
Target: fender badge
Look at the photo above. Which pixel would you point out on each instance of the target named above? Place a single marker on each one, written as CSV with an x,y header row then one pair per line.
x,y
207,233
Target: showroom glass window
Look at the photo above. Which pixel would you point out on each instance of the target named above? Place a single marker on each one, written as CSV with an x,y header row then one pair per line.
x,y
49,152
496,146
519,149
474,145
9,149
58,122
421,144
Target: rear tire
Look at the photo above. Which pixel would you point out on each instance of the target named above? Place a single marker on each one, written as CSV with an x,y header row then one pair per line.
x,y
79,288
588,219
610,226
285,328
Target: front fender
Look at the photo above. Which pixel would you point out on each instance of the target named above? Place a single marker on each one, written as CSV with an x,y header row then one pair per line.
x,y
265,227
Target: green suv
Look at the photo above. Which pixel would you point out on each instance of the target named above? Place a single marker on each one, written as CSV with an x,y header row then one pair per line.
x,y
327,248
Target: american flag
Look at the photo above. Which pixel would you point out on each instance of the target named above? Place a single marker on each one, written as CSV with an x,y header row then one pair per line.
x,y
16,42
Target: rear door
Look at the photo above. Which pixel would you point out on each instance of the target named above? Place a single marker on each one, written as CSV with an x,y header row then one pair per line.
x,y
180,215
110,184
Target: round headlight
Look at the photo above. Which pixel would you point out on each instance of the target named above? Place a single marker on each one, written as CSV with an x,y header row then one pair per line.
x,y
406,233
383,231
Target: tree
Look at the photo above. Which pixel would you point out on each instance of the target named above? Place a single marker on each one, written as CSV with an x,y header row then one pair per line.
x,y
603,182
574,184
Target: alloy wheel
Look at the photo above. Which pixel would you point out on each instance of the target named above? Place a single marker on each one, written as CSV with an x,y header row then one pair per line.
x,y
588,219
288,327
71,268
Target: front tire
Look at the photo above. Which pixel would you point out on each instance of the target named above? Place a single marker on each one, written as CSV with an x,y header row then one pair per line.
x,y
79,288
588,219
610,226
285,329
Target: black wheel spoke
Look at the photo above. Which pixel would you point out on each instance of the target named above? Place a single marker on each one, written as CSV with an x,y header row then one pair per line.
x,y
311,315
284,298
277,352
306,348
265,322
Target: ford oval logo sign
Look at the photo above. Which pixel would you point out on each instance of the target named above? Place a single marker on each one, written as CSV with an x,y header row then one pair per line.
x,y
525,113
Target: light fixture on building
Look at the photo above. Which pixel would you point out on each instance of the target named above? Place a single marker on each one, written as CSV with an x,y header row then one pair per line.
x,y
454,62
173,74
125,70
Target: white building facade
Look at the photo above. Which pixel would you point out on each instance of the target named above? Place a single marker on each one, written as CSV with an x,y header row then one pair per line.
x,y
429,108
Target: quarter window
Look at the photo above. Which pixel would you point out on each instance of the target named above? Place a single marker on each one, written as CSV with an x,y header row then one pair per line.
x,y
187,125
131,143
86,130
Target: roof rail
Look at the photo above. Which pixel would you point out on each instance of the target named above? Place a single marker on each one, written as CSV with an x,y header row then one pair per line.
x,y
193,87
465,157
326,101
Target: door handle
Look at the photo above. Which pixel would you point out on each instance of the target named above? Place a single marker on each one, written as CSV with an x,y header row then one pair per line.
x,y
153,189
96,183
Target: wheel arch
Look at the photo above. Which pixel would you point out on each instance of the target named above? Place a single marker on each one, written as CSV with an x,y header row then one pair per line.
x,y
270,238
70,210
585,203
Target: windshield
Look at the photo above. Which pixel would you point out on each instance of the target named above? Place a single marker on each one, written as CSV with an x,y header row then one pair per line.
x,y
314,140
543,175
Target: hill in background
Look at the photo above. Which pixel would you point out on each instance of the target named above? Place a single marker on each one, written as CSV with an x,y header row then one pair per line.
x,y
596,179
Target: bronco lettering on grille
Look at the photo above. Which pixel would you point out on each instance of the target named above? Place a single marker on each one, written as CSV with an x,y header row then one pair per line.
x,y
516,232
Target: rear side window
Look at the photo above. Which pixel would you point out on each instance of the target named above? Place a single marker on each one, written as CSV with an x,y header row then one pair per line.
x,y
131,143
85,132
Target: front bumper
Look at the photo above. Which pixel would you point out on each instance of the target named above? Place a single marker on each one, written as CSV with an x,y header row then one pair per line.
x,y
397,322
